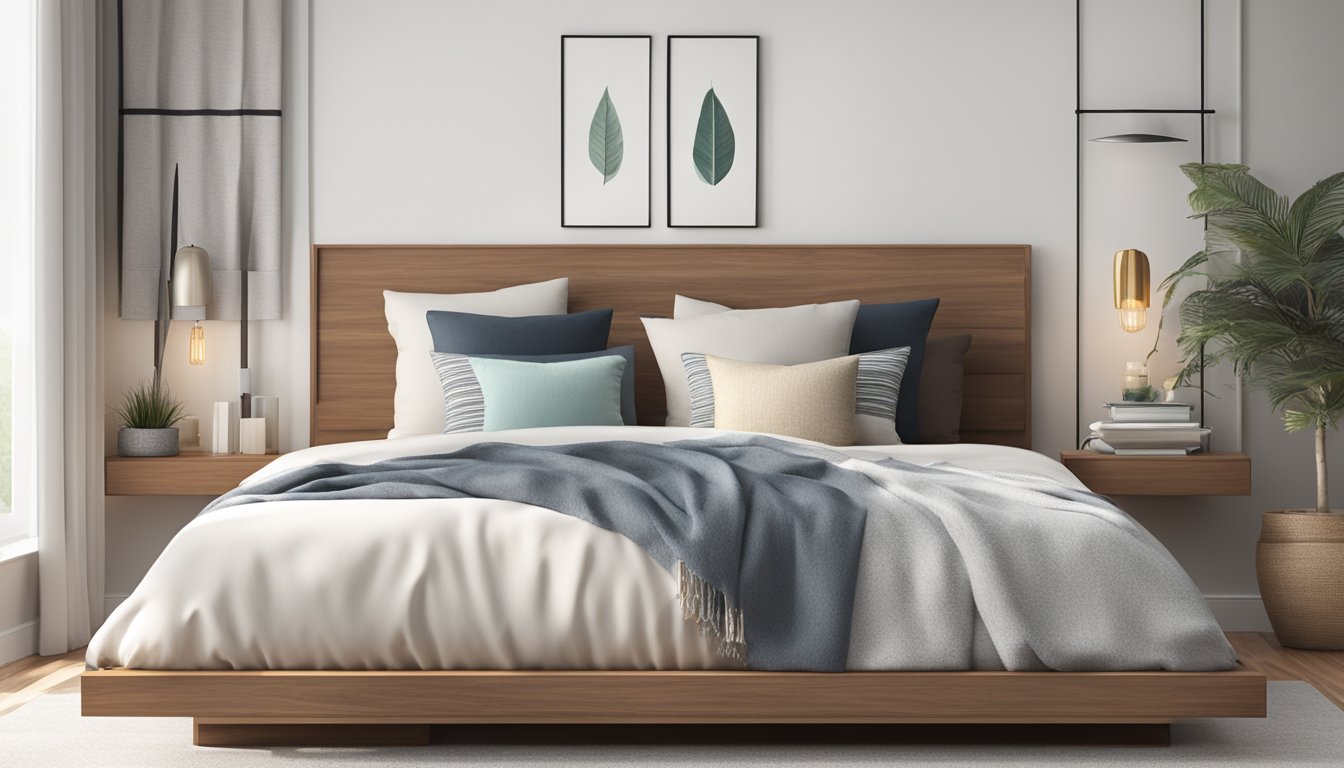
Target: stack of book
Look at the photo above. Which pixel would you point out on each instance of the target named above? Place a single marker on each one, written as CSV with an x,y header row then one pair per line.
x,y
1148,429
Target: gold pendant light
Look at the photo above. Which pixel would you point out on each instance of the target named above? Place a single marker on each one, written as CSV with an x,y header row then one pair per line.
x,y
1131,289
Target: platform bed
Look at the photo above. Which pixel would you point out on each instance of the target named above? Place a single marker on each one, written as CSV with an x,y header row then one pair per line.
x,y
985,291
233,708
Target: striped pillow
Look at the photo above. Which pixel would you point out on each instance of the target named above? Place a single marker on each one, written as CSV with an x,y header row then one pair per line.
x,y
876,392
463,400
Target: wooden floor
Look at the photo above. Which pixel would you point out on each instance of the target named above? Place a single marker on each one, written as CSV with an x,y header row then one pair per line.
x,y
28,678
1261,652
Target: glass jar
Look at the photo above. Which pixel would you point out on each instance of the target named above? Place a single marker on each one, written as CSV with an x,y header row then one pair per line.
x,y
1134,386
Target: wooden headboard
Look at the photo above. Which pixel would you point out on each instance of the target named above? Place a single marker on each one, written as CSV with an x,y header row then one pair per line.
x,y
985,291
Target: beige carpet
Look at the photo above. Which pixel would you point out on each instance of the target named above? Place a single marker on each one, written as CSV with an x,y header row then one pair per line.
x,y
1303,729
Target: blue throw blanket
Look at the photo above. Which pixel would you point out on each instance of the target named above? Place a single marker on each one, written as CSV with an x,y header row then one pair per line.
x,y
765,535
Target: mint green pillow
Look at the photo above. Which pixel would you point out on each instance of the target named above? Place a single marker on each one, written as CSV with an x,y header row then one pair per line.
x,y
519,395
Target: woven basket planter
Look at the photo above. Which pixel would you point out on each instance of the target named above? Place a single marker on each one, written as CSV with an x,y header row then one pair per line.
x,y
1299,562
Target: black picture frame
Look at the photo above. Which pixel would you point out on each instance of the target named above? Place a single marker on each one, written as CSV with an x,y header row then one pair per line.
x,y
756,207
648,221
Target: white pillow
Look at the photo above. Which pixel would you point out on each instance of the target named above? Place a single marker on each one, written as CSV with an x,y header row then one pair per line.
x,y
783,336
418,403
685,306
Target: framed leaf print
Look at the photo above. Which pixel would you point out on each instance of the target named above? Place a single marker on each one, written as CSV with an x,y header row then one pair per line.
x,y
713,130
605,154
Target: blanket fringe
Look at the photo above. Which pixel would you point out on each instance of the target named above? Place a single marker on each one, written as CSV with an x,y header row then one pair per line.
x,y
713,613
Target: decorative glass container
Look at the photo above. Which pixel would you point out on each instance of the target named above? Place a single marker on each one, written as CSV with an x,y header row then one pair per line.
x,y
1134,386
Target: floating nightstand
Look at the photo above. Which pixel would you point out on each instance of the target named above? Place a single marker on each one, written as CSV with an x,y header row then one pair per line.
x,y
186,474
1217,473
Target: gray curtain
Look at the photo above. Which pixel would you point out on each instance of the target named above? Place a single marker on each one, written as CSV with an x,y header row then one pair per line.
x,y
200,89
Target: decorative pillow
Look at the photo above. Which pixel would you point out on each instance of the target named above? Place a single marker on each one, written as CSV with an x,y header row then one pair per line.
x,y
518,395
417,405
814,401
469,334
941,387
877,326
875,392
906,324
464,404
789,335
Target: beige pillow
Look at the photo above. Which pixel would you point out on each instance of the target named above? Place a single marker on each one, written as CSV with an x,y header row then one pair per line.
x,y
814,401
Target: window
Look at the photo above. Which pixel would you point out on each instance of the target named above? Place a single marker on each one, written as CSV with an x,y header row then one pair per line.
x,y
17,120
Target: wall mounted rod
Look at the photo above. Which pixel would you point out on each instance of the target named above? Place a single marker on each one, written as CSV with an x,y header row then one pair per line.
x,y
1200,111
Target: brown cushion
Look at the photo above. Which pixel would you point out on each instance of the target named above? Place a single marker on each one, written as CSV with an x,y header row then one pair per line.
x,y
940,388
814,401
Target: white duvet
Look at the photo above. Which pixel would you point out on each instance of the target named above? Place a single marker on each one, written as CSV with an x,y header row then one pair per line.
x,y
481,584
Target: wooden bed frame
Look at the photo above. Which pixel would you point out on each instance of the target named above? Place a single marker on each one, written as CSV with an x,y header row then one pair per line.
x,y
985,291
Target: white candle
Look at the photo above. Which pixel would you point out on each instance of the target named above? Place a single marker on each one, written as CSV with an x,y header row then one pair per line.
x,y
221,435
252,435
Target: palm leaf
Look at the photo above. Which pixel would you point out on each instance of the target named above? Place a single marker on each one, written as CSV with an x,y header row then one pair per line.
x,y
1272,304
1318,214
715,144
606,143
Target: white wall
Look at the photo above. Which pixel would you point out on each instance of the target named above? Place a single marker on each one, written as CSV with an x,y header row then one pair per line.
x,y
437,122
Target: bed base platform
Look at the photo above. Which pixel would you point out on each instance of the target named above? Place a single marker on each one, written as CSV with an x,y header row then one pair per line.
x,y
241,708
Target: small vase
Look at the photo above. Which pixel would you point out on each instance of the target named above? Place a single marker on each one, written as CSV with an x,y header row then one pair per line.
x,y
147,442
1134,385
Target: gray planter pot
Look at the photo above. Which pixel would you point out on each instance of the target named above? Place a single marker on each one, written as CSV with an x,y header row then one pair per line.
x,y
147,442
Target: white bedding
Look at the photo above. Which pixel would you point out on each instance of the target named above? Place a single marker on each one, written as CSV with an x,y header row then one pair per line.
x,y
468,583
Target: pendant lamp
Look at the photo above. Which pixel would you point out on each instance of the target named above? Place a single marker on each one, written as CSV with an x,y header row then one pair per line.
x,y
1131,287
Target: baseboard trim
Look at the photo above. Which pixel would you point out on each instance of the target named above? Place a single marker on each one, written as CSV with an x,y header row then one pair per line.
x,y
110,603
18,642
1239,613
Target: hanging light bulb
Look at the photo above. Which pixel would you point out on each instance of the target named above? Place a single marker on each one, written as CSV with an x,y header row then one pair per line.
x,y
191,289
196,345
1131,289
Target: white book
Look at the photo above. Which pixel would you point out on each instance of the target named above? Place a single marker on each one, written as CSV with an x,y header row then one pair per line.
x,y
1150,435
1098,445
1155,451
1156,426
1150,412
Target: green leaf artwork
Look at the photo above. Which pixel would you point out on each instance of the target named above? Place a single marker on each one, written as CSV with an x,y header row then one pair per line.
x,y
714,143
606,144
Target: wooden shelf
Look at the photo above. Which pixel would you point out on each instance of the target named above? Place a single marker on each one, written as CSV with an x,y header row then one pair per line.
x,y
1217,473
186,474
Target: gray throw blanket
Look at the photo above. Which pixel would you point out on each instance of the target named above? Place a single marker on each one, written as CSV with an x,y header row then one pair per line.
x,y
765,535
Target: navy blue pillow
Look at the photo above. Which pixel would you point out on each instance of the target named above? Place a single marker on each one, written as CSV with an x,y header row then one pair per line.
x,y
627,377
905,324
467,334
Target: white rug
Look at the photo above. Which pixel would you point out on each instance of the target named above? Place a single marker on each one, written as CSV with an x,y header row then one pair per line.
x,y
1303,729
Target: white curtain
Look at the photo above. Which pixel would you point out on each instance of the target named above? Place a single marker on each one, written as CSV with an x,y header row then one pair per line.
x,y
67,419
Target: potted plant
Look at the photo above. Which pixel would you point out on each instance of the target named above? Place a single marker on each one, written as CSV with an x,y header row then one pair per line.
x,y
1273,306
148,413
